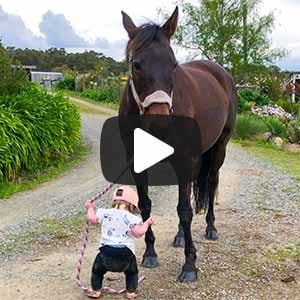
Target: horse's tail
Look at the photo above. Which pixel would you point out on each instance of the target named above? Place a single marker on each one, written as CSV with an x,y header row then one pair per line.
x,y
200,186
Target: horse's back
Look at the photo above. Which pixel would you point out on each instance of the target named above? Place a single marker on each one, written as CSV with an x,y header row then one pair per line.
x,y
208,93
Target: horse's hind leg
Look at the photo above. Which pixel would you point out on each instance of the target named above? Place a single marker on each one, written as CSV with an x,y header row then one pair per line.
x,y
201,186
217,157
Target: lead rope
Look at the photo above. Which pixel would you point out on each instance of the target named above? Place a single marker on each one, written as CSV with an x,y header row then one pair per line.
x,y
85,239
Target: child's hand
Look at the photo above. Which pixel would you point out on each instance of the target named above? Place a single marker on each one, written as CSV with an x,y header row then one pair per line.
x,y
150,221
89,204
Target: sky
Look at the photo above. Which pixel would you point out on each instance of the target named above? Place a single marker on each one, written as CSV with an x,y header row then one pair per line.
x,y
79,25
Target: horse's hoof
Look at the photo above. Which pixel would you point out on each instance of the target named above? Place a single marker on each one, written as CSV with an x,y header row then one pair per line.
x,y
150,262
188,276
178,242
212,235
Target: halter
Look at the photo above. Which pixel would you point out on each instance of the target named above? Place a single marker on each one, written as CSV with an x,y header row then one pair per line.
x,y
160,97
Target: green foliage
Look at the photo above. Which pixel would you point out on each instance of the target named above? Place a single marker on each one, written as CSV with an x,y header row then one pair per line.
x,y
276,127
12,78
293,108
59,60
108,91
293,131
230,32
35,128
247,98
67,84
248,126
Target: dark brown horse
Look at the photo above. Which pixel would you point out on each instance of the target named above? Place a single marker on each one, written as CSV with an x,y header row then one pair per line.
x,y
202,90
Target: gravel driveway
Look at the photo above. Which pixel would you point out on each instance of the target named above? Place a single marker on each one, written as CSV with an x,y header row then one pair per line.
x,y
59,198
257,216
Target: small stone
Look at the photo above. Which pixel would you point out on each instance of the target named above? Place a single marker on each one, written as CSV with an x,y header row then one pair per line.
x,y
277,141
267,136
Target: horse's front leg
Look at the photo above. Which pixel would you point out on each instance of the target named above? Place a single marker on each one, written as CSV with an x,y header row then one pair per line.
x,y
150,259
179,237
185,213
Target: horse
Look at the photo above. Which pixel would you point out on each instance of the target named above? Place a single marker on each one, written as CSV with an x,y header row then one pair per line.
x,y
200,89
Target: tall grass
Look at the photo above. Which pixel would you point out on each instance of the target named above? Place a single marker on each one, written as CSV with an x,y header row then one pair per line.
x,y
276,127
35,128
248,126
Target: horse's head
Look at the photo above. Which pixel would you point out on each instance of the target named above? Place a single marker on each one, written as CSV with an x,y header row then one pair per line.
x,y
151,64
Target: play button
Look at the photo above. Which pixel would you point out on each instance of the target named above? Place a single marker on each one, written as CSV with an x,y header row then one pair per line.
x,y
148,150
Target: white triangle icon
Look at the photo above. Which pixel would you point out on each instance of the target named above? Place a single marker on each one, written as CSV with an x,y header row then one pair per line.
x,y
148,150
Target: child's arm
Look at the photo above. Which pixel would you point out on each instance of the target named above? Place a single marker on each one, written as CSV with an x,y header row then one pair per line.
x,y
139,230
91,213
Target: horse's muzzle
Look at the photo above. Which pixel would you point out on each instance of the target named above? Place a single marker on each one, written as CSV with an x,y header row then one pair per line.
x,y
158,109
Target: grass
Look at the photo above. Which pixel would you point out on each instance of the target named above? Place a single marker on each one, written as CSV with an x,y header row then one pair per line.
x,y
249,126
88,109
273,259
62,229
111,105
286,160
288,252
29,181
49,231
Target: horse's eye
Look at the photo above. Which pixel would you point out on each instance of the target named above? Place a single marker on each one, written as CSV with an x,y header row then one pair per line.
x,y
137,66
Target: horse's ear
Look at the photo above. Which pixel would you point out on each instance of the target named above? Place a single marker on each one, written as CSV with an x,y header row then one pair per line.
x,y
170,26
129,25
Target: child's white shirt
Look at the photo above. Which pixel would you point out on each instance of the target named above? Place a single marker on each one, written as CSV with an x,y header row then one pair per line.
x,y
116,225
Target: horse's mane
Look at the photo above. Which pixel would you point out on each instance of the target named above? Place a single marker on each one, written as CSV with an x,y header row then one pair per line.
x,y
146,34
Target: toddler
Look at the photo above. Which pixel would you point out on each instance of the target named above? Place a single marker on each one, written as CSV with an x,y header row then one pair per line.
x,y
119,226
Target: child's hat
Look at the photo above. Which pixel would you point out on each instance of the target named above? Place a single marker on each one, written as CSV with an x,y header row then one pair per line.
x,y
127,194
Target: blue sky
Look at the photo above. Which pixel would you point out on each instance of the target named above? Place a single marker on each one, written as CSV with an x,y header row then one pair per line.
x,y
78,25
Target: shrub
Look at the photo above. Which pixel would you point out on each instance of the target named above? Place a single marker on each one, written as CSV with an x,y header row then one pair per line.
x,y
35,128
276,127
254,96
248,98
13,79
107,92
292,108
67,84
293,131
273,111
248,126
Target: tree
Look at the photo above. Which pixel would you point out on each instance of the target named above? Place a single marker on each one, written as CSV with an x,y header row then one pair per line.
x,y
13,79
230,32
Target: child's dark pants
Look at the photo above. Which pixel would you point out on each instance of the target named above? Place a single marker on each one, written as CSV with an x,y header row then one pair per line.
x,y
114,259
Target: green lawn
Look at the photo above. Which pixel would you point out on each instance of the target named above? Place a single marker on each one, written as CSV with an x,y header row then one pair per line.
x,y
111,105
286,160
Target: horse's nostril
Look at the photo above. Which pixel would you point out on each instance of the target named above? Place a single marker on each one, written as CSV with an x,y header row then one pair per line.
x,y
158,109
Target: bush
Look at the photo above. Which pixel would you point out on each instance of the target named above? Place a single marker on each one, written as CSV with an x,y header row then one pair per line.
x,y
292,108
249,126
254,96
248,98
272,111
35,128
293,131
276,127
67,84
12,79
109,91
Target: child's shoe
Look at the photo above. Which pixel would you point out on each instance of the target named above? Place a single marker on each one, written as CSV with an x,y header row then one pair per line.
x,y
131,295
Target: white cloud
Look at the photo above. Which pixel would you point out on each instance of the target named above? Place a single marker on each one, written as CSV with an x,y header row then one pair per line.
x,y
99,23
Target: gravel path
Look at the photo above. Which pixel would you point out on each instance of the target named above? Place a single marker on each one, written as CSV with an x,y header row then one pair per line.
x,y
59,198
258,212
